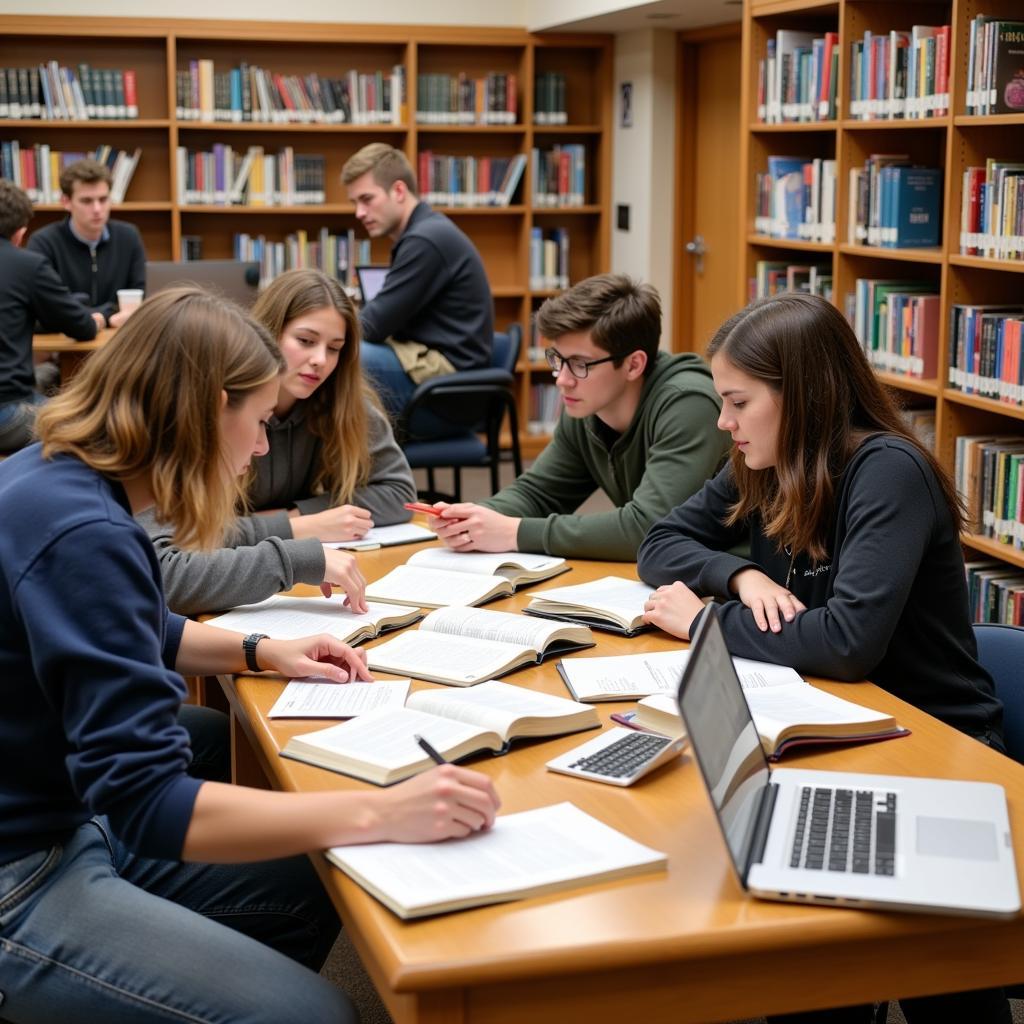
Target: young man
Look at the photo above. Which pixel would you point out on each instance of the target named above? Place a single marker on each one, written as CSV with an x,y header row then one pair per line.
x,y
435,313
638,423
92,254
31,291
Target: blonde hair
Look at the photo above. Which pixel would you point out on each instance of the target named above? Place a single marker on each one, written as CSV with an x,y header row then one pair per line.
x,y
149,403
336,411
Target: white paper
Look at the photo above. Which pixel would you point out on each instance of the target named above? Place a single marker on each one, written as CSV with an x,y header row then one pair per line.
x,y
609,594
385,536
310,698
461,659
483,562
431,588
503,627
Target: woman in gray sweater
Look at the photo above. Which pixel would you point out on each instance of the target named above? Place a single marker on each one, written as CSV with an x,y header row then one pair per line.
x,y
332,469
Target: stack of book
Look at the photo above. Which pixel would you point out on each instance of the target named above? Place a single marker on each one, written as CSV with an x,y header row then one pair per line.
x,y
897,325
995,593
987,471
460,99
560,175
985,351
797,78
37,168
900,75
337,255
995,68
469,180
549,106
224,177
250,93
55,93
796,198
992,210
549,259
772,277
894,205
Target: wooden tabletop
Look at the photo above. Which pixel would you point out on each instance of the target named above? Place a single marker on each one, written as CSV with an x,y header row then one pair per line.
x,y
63,343
681,945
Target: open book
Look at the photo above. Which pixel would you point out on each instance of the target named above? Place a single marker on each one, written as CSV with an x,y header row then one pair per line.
x,y
548,849
380,746
611,603
287,618
386,537
317,698
463,646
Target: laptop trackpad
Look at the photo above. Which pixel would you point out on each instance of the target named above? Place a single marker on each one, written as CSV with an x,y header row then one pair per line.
x,y
956,837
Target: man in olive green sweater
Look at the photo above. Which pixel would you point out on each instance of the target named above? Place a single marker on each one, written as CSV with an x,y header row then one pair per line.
x,y
638,423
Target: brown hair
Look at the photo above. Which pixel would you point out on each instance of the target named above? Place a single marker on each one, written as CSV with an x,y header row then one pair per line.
x,y
337,409
622,316
805,350
386,163
15,208
85,172
149,402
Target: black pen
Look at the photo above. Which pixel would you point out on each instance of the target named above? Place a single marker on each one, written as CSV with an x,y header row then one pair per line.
x,y
429,750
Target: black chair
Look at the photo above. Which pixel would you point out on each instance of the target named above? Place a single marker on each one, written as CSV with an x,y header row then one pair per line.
x,y
454,421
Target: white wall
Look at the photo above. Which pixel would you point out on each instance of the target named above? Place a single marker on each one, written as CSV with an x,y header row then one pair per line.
x,y
541,14
643,174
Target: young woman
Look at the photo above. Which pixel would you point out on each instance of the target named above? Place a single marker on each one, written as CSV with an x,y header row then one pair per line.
x,y
332,471
146,913
855,567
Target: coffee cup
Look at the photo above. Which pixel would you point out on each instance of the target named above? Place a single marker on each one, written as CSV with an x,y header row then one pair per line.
x,y
129,299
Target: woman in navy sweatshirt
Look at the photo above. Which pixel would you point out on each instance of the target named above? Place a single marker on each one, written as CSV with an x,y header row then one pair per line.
x,y
855,567
130,888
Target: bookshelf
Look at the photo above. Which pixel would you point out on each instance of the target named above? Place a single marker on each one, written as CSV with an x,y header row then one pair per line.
x,y
158,49
953,141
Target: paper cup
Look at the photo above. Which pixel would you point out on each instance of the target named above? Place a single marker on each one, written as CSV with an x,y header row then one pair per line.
x,y
129,299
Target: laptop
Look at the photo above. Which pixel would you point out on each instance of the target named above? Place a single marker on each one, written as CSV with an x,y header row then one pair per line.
x,y
839,838
371,280
233,279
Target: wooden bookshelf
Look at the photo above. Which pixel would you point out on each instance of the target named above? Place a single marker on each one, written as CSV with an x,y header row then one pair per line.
x,y
157,48
953,142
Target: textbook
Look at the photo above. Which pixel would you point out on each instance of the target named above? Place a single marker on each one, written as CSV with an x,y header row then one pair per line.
x,y
611,603
386,537
518,567
463,646
380,746
287,618
545,850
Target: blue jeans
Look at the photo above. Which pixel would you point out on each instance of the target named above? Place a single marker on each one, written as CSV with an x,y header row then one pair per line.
x,y
17,422
393,384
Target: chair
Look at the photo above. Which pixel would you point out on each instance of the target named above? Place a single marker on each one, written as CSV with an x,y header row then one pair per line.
x,y
1001,653
455,420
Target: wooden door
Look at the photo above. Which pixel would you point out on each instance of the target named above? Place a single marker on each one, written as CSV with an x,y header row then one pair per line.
x,y
707,183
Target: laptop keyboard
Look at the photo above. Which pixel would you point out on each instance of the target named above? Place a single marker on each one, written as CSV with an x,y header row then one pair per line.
x,y
845,830
624,757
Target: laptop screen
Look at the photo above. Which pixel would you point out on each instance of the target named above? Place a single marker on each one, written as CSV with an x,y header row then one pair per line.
x,y
234,279
371,280
723,738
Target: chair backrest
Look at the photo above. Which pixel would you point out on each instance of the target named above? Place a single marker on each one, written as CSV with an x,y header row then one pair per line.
x,y
505,350
1001,653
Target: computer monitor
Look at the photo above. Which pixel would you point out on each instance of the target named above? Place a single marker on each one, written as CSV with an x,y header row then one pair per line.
x,y
233,279
371,280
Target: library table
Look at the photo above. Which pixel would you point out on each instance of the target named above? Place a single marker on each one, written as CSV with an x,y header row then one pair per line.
x,y
681,945
70,353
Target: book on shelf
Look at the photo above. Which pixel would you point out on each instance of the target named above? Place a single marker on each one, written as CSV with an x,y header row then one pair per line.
x,y
464,100
549,102
545,408
986,471
921,423
532,853
796,199
897,325
985,351
337,255
287,618
797,77
992,210
469,180
611,603
900,74
995,69
191,248
559,175
381,746
774,276
37,168
461,646
894,205
312,698
224,177
52,92
549,259
995,592
386,537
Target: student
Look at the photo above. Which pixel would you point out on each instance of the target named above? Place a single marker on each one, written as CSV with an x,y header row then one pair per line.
x,y
31,292
148,913
435,314
332,471
92,254
855,567
637,423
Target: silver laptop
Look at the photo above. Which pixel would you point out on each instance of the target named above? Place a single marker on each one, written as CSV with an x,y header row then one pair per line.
x,y
371,280
234,279
840,838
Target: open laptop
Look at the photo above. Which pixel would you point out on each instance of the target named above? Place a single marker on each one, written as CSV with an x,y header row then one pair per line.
x,y
370,280
233,279
839,838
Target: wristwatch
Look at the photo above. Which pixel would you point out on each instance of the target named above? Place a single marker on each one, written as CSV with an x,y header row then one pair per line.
x,y
249,648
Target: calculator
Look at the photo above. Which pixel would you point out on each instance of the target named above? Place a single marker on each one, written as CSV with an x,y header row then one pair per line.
x,y
618,756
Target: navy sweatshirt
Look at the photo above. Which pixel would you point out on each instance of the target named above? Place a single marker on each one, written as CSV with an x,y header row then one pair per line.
x,y
888,603
89,695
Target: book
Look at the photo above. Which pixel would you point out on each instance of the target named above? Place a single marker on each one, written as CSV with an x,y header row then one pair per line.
x,y
386,537
381,746
288,618
316,698
518,567
463,646
545,850
611,603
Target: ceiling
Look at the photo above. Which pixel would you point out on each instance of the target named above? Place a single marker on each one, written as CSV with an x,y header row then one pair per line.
x,y
625,17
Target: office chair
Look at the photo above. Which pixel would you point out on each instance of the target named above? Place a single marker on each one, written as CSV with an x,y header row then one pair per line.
x,y
469,404
1001,653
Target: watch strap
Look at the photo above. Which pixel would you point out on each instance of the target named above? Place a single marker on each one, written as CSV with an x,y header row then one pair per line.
x,y
249,649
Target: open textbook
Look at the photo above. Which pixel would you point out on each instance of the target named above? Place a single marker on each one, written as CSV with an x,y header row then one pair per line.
x,y
287,618
380,746
531,853
611,603
321,698
386,537
437,577
463,646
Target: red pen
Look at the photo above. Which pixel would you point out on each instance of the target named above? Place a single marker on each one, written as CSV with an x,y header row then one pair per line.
x,y
430,510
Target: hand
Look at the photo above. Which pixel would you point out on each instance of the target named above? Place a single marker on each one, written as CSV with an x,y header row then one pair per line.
x,y
342,570
469,527
769,601
101,321
118,318
313,656
346,522
673,609
443,803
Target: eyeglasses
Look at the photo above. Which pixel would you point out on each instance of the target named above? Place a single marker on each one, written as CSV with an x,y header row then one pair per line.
x,y
578,366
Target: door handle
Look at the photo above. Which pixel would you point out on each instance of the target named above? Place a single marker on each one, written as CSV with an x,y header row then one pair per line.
x,y
695,247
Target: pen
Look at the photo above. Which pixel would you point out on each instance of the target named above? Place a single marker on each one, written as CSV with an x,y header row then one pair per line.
x,y
422,506
428,749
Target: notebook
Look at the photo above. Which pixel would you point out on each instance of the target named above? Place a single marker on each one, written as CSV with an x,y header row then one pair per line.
x,y
371,280
840,838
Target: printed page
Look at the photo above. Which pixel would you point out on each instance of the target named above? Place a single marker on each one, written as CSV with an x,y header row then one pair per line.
x,y
313,698
504,627
385,536
287,618
480,561
411,584
462,659
611,593
780,706
524,851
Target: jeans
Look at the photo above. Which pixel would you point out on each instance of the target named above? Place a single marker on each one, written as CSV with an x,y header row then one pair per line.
x,y
393,384
17,423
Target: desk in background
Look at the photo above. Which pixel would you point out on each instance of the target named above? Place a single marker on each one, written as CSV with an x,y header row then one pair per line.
x,y
70,353
685,945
